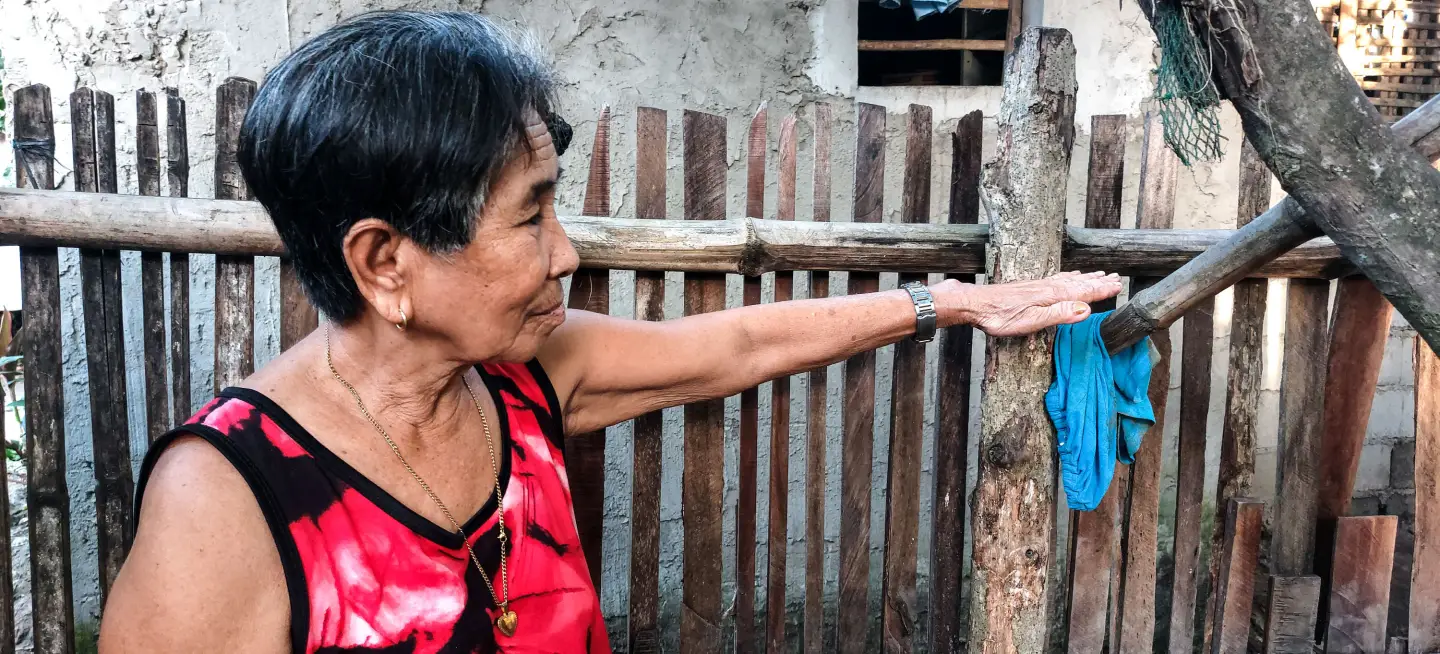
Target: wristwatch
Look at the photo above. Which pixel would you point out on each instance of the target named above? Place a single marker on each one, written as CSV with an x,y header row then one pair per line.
x,y
924,311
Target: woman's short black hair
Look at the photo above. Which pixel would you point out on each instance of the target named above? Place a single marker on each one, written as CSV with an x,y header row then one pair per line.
x,y
402,116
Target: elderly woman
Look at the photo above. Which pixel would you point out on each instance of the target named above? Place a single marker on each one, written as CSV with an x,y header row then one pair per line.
x,y
394,482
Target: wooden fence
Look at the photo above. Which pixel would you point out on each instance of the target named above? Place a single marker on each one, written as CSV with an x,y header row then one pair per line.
x,y
1108,599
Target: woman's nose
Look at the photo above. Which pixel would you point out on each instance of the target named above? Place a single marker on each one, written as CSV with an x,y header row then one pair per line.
x,y
563,257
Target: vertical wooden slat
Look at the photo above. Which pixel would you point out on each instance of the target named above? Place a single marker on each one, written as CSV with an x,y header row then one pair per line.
x,y
644,616
1292,546
899,610
1301,414
1014,502
1014,22
1136,609
590,291
1360,584
703,481
947,540
7,588
177,168
1290,628
93,121
1247,350
234,275
818,380
1093,533
1425,571
152,272
857,447
1199,334
1238,555
297,316
749,412
47,497
1358,335
775,608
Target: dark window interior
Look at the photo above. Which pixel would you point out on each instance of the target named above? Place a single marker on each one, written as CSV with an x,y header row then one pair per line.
x,y
930,68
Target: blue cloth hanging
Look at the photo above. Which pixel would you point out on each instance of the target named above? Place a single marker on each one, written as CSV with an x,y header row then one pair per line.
x,y
922,8
1100,406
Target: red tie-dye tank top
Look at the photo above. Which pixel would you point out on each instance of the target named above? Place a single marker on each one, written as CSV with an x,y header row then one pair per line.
x,y
367,574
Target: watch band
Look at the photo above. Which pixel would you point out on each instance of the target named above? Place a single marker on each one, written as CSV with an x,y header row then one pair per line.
x,y
925,316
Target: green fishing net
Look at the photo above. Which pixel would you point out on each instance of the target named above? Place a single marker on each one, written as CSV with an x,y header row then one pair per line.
x,y
1189,101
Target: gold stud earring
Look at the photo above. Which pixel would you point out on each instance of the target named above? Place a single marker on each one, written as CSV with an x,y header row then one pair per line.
x,y
404,321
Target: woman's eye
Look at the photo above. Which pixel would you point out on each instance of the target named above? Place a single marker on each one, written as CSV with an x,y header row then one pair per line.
x,y
535,219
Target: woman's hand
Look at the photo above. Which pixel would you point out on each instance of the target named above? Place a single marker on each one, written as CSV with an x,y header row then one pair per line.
x,y
1020,308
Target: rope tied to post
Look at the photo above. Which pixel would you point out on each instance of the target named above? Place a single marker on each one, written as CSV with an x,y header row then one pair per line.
x,y
29,152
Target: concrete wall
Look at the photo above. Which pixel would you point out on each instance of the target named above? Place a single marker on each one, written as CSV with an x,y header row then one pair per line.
x,y
721,56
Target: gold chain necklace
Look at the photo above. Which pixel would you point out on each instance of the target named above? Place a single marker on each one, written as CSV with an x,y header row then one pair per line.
x,y
508,621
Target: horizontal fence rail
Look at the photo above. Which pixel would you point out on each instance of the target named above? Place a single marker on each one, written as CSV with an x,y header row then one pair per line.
x,y
747,246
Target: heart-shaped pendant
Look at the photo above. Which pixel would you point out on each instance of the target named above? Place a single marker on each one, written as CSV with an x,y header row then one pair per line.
x,y
507,622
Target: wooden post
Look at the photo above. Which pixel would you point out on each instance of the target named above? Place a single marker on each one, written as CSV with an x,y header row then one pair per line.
x,y
1199,340
1247,350
152,272
1360,587
1136,608
858,444
590,291
814,638
899,607
749,411
1424,589
1235,580
177,168
947,540
234,275
93,121
47,497
7,579
775,608
703,483
1023,191
1094,539
644,622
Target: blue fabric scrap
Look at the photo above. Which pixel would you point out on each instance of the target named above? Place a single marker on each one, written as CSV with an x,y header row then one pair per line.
x,y
923,8
1100,405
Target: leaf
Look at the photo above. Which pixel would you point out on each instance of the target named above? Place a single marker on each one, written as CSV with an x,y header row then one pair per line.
x,y
7,360
17,404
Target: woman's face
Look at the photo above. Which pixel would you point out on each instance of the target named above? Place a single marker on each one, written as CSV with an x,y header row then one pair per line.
x,y
500,296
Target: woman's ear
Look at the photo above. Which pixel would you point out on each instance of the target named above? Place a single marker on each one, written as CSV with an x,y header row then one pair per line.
x,y
379,258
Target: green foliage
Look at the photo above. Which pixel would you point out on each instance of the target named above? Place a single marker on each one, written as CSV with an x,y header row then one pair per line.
x,y
87,637
2,95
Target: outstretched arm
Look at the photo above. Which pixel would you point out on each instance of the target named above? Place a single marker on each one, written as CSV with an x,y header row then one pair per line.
x,y
606,369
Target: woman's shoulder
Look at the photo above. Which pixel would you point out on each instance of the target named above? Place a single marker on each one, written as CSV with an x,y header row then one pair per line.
x,y
202,555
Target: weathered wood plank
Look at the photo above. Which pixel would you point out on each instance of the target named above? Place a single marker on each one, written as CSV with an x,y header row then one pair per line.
x,y
1302,399
1023,191
47,497
775,608
7,587
1424,591
813,639
177,170
947,540
644,616
1198,342
1094,537
749,411
931,45
1360,585
1238,555
858,444
1293,603
1136,608
590,291
704,483
93,122
234,275
297,316
744,246
1247,363
899,605
152,272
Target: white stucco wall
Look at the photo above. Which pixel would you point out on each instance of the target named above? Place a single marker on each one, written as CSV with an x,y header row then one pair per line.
x,y
721,56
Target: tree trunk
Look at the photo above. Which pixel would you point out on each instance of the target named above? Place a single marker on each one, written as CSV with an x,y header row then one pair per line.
x,y
1315,129
1014,503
